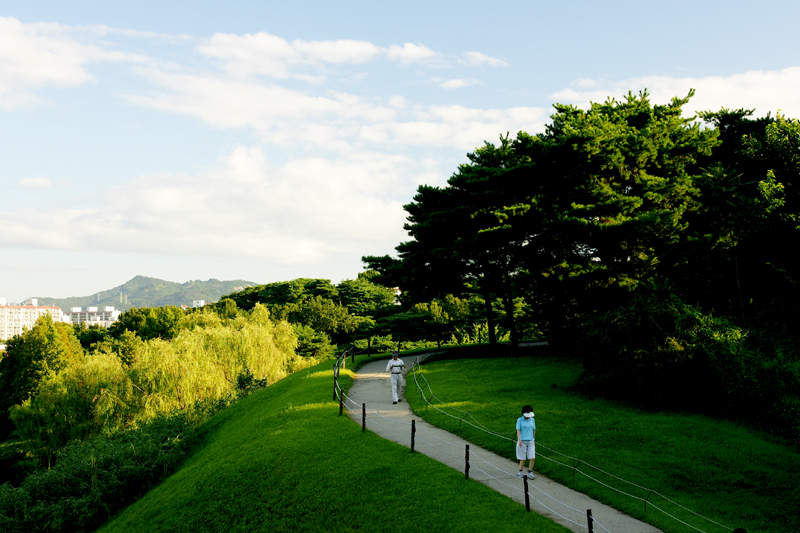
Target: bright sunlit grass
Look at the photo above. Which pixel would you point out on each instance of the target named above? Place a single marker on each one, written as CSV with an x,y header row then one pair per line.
x,y
731,474
283,460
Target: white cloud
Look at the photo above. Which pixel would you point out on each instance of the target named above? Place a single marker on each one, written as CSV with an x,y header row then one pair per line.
x,y
458,83
479,59
301,212
270,55
266,54
410,53
766,91
456,126
346,200
338,121
341,51
34,183
39,55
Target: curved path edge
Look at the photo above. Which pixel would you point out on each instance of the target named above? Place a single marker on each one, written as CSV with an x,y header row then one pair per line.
x,y
371,386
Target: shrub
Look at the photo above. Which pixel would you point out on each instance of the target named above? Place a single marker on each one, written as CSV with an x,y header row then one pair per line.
x,y
661,352
95,477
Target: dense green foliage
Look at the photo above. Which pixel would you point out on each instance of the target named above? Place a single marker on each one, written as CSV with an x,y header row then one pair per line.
x,y
65,387
282,460
581,225
143,291
104,391
30,359
96,477
328,313
106,425
729,473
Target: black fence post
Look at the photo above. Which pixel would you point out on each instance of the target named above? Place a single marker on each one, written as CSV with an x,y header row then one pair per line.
x,y
589,518
645,500
527,498
413,433
466,464
341,403
335,381
363,417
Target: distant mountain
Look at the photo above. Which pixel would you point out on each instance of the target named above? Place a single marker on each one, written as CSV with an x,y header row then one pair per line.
x,y
142,291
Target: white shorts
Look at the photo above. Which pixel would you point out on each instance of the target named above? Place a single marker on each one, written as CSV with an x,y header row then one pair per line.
x,y
527,450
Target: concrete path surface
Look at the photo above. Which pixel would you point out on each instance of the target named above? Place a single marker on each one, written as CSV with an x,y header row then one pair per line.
x,y
393,422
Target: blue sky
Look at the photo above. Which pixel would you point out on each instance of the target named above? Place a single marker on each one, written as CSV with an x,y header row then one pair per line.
x,y
271,140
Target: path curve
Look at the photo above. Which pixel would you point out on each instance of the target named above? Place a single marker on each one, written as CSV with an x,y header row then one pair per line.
x,y
371,387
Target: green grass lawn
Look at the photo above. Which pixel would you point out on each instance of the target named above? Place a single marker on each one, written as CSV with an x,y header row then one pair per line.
x,y
732,474
283,460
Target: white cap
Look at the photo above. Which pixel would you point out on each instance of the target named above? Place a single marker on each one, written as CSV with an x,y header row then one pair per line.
x,y
529,414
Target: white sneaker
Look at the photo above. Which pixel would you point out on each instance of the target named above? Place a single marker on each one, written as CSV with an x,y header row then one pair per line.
x,y
520,475
531,476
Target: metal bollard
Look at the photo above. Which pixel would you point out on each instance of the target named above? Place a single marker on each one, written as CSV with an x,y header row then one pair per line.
x,y
466,464
413,433
589,518
363,417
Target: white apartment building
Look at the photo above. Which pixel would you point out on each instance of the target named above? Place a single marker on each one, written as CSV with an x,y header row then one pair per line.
x,y
93,316
13,318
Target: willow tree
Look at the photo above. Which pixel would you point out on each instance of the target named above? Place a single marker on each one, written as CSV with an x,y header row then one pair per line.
x,y
206,363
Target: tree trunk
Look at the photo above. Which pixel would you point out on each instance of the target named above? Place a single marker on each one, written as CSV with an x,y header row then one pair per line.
x,y
487,298
508,302
738,284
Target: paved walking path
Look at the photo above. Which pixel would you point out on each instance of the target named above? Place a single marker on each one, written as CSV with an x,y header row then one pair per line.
x,y
372,387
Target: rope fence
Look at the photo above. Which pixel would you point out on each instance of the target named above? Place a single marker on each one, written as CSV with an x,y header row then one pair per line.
x,y
345,402
419,377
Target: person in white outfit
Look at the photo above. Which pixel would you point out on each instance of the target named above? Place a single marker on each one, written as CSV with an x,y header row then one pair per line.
x,y
395,366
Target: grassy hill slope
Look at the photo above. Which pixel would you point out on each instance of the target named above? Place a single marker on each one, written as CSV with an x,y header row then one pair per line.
x,y
283,460
142,291
737,476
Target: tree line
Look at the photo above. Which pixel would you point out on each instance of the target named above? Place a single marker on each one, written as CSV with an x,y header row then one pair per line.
x,y
656,246
59,383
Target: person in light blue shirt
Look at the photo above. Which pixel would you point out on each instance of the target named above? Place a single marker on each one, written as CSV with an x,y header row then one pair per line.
x,y
526,440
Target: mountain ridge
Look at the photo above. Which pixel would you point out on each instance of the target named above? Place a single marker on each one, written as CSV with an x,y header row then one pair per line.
x,y
144,291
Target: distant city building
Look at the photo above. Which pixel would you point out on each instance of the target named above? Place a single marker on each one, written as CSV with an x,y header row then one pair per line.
x,y
13,318
93,316
198,303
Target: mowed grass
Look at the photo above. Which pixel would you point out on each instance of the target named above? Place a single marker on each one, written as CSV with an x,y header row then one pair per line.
x,y
734,475
283,460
